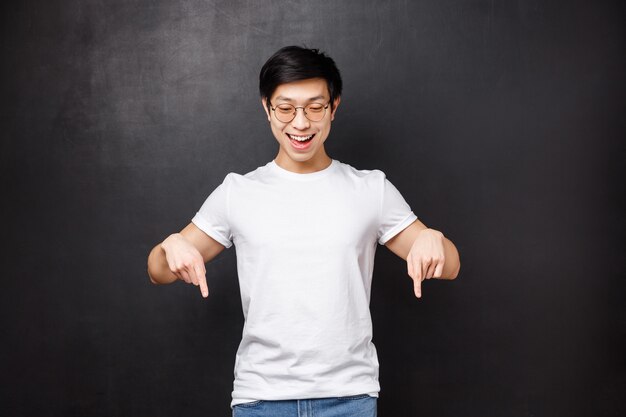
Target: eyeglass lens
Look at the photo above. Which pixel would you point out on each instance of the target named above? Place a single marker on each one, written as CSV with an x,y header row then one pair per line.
x,y
287,112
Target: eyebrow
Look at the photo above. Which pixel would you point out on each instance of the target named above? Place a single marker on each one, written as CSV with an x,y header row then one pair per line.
x,y
289,99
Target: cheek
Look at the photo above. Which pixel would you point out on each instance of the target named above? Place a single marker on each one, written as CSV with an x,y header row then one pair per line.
x,y
276,129
326,130
278,132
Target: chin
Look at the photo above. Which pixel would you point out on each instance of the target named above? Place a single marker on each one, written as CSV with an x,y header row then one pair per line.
x,y
300,157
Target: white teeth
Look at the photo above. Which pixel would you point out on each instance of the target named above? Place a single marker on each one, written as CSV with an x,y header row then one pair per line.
x,y
300,138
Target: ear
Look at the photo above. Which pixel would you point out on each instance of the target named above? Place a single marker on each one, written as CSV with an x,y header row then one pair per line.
x,y
264,103
335,105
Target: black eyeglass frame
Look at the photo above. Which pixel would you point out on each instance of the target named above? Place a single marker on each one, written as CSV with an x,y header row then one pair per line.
x,y
295,111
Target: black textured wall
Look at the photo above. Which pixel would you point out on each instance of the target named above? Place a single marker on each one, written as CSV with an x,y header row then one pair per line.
x,y
501,122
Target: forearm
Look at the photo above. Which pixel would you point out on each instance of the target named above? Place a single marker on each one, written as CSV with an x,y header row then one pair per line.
x,y
158,269
452,264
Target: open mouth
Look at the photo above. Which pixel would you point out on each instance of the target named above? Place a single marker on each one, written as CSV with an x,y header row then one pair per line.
x,y
300,141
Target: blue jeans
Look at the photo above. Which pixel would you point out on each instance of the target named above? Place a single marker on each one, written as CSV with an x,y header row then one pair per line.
x,y
351,406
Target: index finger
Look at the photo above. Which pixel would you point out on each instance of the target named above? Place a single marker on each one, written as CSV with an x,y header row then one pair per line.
x,y
419,273
202,281
417,286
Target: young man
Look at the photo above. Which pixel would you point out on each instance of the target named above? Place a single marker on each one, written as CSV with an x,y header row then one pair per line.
x,y
305,228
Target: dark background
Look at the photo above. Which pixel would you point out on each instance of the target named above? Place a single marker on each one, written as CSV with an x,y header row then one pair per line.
x,y
501,122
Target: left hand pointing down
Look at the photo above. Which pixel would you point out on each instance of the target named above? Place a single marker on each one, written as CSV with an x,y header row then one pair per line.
x,y
426,258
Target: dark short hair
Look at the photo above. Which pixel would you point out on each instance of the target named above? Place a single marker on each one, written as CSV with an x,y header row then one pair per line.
x,y
295,63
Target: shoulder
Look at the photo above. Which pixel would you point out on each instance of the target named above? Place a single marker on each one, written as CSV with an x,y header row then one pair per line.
x,y
255,176
371,176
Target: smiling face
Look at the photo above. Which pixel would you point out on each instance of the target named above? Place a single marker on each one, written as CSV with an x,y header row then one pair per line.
x,y
301,141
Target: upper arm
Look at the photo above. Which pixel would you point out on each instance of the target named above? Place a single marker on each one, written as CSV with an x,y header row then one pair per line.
x,y
208,247
401,243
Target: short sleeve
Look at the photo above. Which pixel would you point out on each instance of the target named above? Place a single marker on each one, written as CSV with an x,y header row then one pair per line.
x,y
212,218
395,213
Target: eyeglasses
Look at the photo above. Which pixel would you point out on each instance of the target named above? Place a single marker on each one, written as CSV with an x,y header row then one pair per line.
x,y
286,112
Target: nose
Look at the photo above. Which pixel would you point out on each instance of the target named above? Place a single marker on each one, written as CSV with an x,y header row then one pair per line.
x,y
300,122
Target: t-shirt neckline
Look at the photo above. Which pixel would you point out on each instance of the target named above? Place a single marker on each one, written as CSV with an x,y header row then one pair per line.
x,y
282,172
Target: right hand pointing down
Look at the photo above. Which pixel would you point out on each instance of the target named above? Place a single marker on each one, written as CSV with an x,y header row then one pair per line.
x,y
185,261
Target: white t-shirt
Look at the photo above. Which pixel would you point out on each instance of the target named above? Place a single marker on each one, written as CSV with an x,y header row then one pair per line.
x,y
305,247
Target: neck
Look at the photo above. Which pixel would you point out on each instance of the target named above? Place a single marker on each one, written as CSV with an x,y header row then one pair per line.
x,y
317,163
